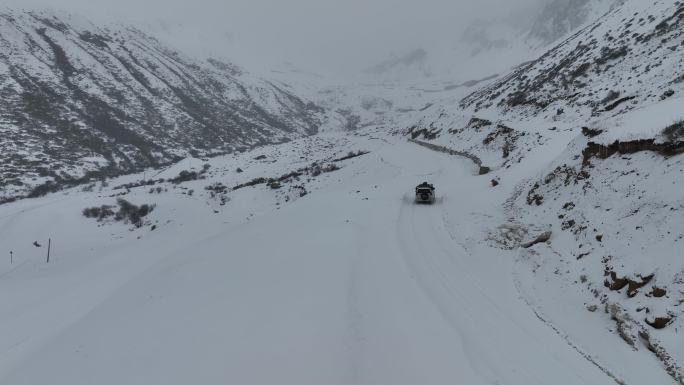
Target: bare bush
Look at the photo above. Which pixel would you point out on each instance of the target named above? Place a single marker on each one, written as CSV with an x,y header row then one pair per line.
x,y
127,212
98,213
131,213
675,132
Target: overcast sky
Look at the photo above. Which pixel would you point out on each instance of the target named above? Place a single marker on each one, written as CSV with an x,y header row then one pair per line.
x,y
337,35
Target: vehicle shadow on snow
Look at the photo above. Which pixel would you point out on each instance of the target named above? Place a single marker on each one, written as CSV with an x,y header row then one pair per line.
x,y
411,200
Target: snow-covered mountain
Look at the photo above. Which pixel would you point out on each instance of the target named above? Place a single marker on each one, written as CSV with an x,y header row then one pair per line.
x,y
552,254
82,101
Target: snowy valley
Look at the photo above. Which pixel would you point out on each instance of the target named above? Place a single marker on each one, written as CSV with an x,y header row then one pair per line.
x,y
271,235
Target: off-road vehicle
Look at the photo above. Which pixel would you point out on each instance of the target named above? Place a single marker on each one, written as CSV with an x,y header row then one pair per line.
x,y
425,193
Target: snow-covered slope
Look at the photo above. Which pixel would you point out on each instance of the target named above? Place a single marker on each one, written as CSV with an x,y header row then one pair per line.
x,y
615,209
329,276
628,58
81,101
495,46
590,135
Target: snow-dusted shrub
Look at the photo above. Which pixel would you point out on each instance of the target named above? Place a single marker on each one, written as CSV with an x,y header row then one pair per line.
x,y
317,169
216,188
350,155
129,212
675,132
612,95
98,213
44,189
330,168
185,176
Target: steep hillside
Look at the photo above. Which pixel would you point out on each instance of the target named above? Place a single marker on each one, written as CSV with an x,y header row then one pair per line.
x,y
628,60
614,204
630,57
590,140
530,30
80,101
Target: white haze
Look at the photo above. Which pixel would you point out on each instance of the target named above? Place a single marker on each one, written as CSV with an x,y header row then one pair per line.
x,y
335,36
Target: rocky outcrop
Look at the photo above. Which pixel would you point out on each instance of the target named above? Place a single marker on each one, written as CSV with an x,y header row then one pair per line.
x,y
543,237
595,150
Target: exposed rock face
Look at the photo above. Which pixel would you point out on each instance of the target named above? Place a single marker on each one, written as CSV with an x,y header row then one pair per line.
x,y
630,147
77,100
544,237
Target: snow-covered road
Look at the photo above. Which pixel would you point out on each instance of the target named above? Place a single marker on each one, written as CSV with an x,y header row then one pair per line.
x,y
353,285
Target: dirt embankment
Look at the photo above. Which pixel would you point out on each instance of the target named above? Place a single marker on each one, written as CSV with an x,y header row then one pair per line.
x,y
595,150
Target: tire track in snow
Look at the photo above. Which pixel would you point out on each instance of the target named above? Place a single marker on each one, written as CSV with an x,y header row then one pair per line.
x,y
508,210
437,262
566,337
419,275
459,299
354,314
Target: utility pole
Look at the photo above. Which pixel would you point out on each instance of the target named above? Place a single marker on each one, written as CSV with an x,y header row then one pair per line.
x,y
11,257
49,245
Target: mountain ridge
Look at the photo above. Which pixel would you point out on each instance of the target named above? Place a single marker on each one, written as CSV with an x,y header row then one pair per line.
x,y
73,92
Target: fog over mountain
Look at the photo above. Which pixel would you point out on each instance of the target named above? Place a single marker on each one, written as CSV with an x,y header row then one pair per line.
x,y
338,36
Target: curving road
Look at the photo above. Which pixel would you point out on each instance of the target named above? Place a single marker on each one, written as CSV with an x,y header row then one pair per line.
x,y
353,285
